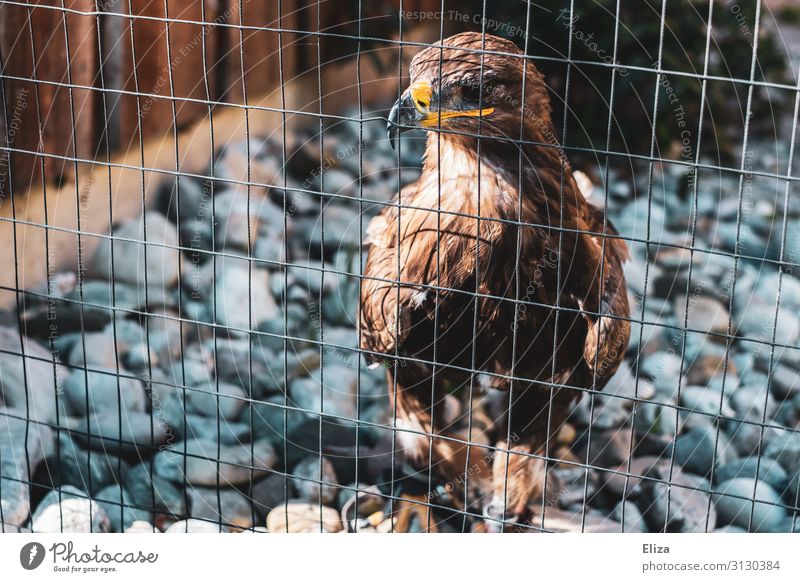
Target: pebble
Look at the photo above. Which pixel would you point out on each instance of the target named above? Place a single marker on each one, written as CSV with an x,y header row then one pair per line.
x,y
142,527
603,448
18,460
785,382
227,506
699,450
335,394
195,526
129,256
155,494
269,492
224,399
206,465
228,433
106,392
74,513
574,521
683,507
29,387
784,446
120,508
87,470
129,433
705,314
100,352
237,218
703,405
314,484
239,289
769,471
736,511
302,517
632,520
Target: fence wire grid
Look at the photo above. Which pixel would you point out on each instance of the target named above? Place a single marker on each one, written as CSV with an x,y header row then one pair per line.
x,y
187,193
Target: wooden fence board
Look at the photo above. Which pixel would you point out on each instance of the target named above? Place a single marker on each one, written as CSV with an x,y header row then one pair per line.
x,y
132,55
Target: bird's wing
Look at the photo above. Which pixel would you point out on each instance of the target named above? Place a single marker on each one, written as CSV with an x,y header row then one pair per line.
x,y
605,299
384,315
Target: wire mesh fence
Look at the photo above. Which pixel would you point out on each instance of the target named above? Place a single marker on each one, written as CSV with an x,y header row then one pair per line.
x,y
566,299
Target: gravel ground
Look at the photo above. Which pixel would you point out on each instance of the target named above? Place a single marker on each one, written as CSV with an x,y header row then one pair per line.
x,y
179,422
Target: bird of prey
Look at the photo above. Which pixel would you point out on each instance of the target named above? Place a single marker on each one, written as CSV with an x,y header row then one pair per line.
x,y
491,269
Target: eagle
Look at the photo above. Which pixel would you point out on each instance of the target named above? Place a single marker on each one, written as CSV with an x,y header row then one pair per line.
x,y
491,271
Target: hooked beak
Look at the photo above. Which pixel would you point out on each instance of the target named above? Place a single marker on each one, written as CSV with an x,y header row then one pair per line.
x,y
413,111
410,111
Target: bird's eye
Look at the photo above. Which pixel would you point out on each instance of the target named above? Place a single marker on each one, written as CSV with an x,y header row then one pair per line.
x,y
476,93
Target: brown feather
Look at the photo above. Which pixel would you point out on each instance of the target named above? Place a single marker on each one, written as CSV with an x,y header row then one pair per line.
x,y
424,264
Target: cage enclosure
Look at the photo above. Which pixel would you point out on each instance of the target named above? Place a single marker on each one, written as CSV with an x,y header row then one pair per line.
x,y
566,299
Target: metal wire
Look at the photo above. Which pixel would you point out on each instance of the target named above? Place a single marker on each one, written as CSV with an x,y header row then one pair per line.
x,y
318,30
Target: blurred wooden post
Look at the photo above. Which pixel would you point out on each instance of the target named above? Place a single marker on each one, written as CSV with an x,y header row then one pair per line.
x,y
44,81
134,57
262,58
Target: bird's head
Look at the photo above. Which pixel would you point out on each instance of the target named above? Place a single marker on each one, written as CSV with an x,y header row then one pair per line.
x,y
471,84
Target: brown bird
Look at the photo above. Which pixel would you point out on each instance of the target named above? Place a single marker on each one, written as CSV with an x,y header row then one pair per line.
x,y
491,269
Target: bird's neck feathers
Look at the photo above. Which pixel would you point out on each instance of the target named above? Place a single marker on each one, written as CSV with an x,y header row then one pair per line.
x,y
541,173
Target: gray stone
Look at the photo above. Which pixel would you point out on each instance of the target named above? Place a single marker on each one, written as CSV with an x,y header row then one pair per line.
x,y
195,526
211,465
333,393
700,449
730,529
273,419
69,510
342,229
226,506
769,471
784,446
133,432
785,382
164,335
226,400
625,384
315,484
30,386
735,499
706,314
756,321
682,507
238,218
87,470
155,494
101,351
574,521
704,403
129,256
120,508
655,419
607,448
745,437
752,402
142,527
237,289
105,392
18,459
631,518
196,427
270,492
